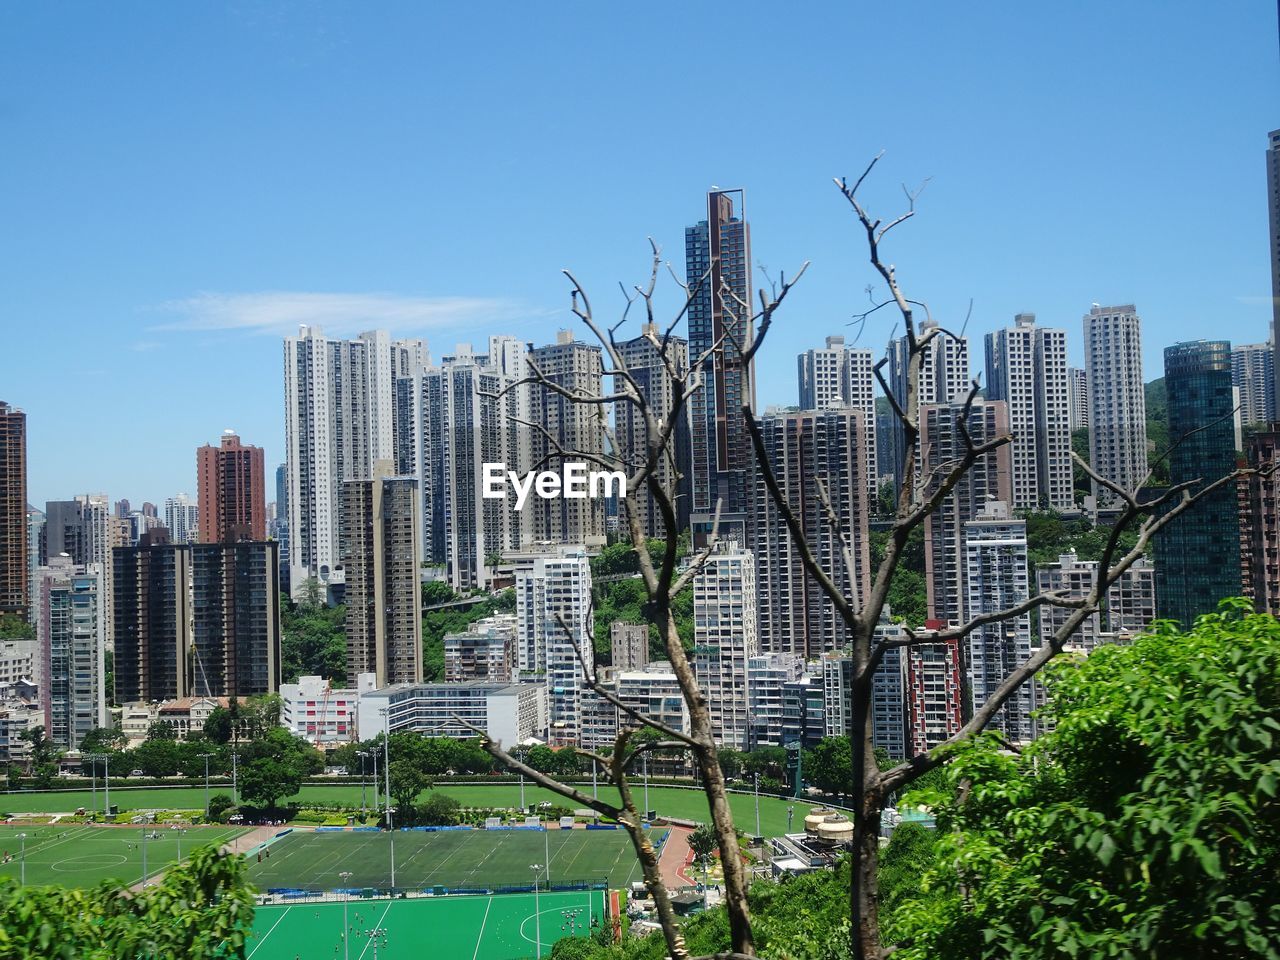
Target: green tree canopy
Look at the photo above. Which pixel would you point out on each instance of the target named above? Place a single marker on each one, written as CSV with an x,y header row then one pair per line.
x,y
1145,824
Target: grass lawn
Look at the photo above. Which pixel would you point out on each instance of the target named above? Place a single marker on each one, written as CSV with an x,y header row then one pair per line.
x,y
480,928
471,859
668,801
80,856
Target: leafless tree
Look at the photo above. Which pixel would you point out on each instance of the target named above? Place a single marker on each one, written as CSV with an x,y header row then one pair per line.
x,y
746,327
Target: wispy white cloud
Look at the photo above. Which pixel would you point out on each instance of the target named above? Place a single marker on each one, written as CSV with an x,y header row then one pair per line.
x,y
280,312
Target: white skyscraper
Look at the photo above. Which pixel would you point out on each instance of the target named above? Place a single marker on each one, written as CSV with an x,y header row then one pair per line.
x,y
181,516
554,629
944,377
70,643
1130,606
1078,397
1117,398
1027,368
840,376
725,637
995,550
1253,374
340,404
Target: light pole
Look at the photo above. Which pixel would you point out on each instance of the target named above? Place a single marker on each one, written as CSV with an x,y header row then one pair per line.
x,y
595,789
106,784
386,770
374,753
93,774
757,803
791,812
537,913
144,856
23,866
646,785
205,757
235,795
546,843
345,876
364,806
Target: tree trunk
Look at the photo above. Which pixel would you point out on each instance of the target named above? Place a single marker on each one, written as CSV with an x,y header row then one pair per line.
x,y
866,884
735,871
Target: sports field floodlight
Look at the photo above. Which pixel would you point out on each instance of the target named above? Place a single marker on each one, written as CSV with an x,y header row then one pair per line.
x,y
537,913
205,757
178,832
345,877
23,867
106,778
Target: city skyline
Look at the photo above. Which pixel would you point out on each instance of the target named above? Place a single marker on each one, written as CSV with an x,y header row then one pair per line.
x,y
310,224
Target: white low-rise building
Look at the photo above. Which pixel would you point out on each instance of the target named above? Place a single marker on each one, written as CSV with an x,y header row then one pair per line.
x,y
314,710
508,713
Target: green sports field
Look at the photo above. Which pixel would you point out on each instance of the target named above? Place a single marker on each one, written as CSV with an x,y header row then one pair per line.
x,y
484,859
449,928
668,801
80,856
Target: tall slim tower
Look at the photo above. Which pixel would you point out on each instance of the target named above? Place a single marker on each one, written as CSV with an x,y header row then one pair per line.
x,y
182,517
1253,375
69,637
718,271
1027,368
574,427
995,557
1273,207
647,360
1078,397
840,376
232,493
817,458
725,637
1197,556
989,479
381,527
1117,398
944,377
14,566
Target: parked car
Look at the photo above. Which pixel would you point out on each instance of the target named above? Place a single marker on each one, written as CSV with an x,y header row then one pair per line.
x,y
136,773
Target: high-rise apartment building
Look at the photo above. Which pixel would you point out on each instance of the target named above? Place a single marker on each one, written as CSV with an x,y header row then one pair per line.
x,y
995,554
629,645
1078,398
768,676
1197,554
235,607
1259,498
554,629
817,458
1129,609
944,377
568,425
1253,375
841,377
718,271
1273,221
934,691
988,479
231,489
36,555
1117,398
486,650
470,410
15,574
380,536
278,527
339,421
70,652
182,517
888,694
82,528
649,362
152,619
1027,368
725,637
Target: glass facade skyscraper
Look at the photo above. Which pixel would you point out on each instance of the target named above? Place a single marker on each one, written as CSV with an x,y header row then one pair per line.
x,y
1198,553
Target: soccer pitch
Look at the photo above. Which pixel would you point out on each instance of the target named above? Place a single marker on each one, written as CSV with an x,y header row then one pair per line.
x,y
82,856
471,859
506,927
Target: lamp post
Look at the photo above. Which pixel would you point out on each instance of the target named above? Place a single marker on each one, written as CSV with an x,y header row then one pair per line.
x,y
537,912
93,774
205,757
235,794
364,807
23,867
144,856
647,808
386,770
345,877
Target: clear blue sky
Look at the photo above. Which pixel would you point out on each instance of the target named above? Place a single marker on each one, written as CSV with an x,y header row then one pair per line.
x,y
171,171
